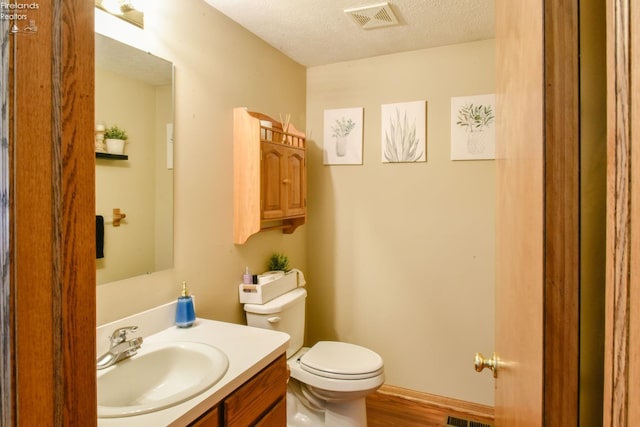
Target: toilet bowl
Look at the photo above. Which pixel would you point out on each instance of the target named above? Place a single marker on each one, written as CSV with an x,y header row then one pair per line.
x,y
329,380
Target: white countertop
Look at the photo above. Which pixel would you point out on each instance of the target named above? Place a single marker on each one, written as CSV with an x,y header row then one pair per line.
x,y
248,349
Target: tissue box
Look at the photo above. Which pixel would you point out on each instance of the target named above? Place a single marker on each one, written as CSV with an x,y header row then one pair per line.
x,y
268,288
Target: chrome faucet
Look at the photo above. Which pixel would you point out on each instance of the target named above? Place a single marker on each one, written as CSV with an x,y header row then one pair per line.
x,y
121,348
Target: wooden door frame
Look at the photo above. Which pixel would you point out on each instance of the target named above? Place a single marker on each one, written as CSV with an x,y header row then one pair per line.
x,y
561,294
49,305
622,334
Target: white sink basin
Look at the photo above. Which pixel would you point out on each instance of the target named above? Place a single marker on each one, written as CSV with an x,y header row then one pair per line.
x,y
159,376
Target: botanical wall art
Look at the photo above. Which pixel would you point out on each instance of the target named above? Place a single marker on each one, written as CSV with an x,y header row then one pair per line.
x,y
404,133
473,134
343,136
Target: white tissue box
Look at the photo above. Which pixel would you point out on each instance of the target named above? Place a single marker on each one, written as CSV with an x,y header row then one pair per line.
x,y
268,288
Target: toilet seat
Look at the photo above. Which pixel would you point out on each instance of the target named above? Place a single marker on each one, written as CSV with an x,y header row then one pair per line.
x,y
340,360
324,383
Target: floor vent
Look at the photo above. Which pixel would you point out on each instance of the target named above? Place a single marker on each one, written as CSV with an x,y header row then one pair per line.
x,y
376,16
459,422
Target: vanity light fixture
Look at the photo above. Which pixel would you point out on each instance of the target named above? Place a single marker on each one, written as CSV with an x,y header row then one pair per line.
x,y
131,11
114,7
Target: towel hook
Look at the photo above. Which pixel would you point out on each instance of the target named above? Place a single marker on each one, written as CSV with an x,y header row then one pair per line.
x,y
118,216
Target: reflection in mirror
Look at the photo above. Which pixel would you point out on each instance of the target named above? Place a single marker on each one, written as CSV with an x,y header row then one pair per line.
x,y
134,91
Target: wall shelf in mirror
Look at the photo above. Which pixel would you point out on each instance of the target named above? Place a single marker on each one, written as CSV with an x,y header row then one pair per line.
x,y
112,156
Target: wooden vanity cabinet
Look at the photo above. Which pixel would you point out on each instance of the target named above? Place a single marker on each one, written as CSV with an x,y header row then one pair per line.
x,y
270,175
259,398
261,401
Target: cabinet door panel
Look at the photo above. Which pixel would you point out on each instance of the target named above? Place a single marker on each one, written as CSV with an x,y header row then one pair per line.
x,y
295,188
277,416
210,419
254,398
271,194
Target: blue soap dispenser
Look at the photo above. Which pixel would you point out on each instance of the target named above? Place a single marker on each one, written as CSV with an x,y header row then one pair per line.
x,y
185,312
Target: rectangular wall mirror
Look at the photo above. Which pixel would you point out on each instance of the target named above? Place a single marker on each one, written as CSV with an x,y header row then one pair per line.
x,y
134,91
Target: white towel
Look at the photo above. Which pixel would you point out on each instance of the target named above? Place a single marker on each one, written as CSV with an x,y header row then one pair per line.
x,y
301,281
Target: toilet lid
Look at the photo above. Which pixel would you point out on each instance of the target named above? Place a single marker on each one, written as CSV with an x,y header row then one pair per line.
x,y
341,360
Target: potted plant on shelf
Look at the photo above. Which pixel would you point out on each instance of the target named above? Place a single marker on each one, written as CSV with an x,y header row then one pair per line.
x,y
115,138
279,262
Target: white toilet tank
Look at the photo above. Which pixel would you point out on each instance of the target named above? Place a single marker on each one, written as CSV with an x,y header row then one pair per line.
x,y
285,313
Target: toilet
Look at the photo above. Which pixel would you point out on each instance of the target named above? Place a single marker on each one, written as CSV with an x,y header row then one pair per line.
x,y
330,380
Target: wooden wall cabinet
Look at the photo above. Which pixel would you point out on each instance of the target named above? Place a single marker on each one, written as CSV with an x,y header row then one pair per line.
x,y
269,175
261,401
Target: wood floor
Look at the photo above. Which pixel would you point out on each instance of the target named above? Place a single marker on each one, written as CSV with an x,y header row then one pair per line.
x,y
395,406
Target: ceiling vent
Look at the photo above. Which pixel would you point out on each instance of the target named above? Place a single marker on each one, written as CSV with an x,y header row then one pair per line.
x,y
376,16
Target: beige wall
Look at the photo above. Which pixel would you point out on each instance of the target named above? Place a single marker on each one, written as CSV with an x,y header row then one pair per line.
x,y
218,66
401,256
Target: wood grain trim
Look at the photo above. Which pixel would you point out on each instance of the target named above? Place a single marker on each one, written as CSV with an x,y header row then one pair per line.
x,y
562,213
77,315
634,306
32,188
397,406
6,332
57,252
619,218
52,219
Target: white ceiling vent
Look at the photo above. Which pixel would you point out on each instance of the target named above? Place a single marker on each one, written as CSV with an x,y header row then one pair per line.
x,y
376,16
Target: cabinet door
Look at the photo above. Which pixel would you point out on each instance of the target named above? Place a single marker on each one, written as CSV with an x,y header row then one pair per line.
x,y
284,182
277,416
295,182
273,159
258,396
209,419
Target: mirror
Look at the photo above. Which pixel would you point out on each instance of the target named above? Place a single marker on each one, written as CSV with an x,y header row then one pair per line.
x,y
134,91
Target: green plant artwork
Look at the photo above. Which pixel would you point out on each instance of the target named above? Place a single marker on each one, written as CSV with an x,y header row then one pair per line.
x,y
342,127
343,136
474,118
403,132
341,131
473,127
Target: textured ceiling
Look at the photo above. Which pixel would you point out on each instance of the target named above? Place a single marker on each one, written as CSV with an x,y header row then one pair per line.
x,y
129,61
318,32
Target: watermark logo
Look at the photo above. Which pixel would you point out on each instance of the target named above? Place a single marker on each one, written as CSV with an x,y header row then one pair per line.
x,y
19,14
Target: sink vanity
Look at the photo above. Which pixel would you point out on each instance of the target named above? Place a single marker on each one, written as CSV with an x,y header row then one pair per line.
x,y
211,374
